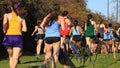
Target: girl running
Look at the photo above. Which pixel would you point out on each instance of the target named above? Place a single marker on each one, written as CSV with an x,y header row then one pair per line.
x,y
90,26
107,37
100,31
115,42
65,32
39,36
52,35
76,32
13,25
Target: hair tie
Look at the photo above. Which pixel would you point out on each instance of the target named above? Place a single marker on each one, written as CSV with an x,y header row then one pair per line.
x,y
17,5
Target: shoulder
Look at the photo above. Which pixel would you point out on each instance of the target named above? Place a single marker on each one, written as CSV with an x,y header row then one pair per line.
x,y
93,22
6,15
79,27
102,24
60,17
67,20
36,26
72,28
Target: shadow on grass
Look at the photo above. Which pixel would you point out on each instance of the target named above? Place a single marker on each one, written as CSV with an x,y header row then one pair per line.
x,y
35,67
83,66
118,59
32,61
68,62
3,53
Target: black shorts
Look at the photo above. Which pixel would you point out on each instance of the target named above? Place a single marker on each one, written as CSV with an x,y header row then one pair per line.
x,y
66,36
39,36
76,38
50,40
100,35
106,40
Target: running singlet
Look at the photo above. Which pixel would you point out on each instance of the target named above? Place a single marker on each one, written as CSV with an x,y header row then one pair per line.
x,y
100,32
89,31
66,31
106,35
76,32
39,31
53,30
14,25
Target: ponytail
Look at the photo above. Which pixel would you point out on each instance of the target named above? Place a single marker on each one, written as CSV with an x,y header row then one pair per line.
x,y
18,9
89,16
75,24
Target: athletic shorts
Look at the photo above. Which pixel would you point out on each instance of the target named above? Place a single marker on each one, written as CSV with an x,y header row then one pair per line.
x,y
39,36
76,38
100,35
13,41
50,40
106,40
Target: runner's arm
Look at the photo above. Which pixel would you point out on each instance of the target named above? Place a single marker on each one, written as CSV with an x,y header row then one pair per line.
x,y
44,21
24,27
71,30
5,23
34,30
81,31
61,22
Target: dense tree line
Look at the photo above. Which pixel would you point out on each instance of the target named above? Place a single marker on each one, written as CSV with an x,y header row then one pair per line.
x,y
39,8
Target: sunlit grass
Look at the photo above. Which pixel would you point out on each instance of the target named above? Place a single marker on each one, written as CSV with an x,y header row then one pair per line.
x,y
102,61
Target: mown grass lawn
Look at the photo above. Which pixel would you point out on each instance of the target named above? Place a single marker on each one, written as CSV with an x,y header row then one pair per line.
x,y
102,61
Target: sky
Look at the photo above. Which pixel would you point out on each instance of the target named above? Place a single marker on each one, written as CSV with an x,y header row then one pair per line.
x,y
101,6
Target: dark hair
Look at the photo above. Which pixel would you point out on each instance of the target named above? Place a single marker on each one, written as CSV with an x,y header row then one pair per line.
x,y
65,13
89,16
75,24
106,25
39,21
53,14
110,24
53,17
18,9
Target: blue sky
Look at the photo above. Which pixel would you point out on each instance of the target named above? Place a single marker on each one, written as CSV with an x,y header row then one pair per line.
x,y
100,6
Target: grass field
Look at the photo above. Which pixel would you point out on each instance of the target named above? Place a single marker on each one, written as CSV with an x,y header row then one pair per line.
x,y
102,61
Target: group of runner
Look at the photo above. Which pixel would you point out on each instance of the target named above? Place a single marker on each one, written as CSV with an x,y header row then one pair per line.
x,y
54,29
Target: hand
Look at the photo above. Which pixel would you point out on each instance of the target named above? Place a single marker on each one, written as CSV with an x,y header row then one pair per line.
x,y
4,31
32,34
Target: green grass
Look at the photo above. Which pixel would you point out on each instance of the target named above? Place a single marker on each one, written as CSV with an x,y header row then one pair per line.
x,y
102,61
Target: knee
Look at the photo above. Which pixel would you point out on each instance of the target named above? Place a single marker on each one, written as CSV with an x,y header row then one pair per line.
x,y
15,58
47,56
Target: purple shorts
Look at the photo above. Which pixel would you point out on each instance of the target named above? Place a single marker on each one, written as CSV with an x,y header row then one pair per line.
x,y
13,41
